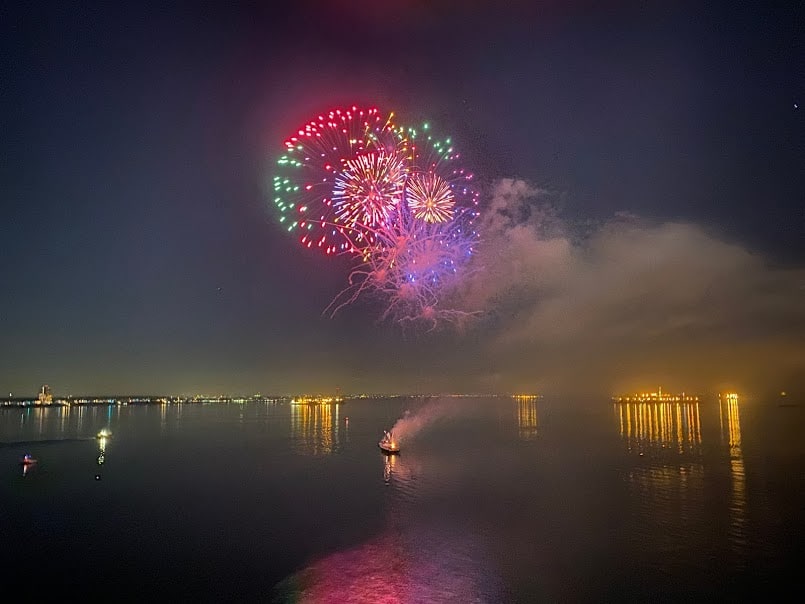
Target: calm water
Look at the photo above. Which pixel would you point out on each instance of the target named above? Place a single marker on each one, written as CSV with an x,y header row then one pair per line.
x,y
493,500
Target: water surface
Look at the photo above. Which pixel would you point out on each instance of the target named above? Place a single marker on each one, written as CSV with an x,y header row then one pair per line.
x,y
491,500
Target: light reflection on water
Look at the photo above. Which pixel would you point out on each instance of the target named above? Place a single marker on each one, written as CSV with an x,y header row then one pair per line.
x,y
730,424
397,568
316,428
56,422
672,491
652,425
527,421
407,561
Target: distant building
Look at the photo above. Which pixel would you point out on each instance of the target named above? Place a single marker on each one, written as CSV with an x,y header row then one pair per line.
x,y
45,396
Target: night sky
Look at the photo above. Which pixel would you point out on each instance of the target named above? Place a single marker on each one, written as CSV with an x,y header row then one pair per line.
x,y
642,169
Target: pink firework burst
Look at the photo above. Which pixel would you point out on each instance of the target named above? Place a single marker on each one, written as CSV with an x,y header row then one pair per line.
x,y
320,155
413,268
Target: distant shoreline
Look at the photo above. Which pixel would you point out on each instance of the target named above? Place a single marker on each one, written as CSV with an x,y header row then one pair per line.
x,y
134,400
162,400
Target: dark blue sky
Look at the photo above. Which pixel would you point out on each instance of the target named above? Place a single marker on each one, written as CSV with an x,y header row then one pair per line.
x,y
140,252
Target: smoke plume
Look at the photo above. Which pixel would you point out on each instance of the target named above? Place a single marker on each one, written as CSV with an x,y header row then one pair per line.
x,y
412,423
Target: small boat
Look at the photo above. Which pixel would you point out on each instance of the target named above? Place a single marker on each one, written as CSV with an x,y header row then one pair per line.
x,y
388,444
27,460
104,433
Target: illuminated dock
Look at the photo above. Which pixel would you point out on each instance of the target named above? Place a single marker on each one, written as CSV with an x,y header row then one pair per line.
x,y
316,400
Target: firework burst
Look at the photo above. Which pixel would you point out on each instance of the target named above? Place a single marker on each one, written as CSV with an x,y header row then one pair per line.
x,y
367,190
413,269
322,163
430,197
394,197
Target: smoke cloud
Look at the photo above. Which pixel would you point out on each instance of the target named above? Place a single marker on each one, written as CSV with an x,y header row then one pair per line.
x,y
412,423
627,303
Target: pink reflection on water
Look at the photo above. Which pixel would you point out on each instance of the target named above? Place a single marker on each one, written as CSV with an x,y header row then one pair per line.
x,y
377,571
386,571
424,555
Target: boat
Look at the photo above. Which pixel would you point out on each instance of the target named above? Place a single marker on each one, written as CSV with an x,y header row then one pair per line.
x,y
27,460
388,445
104,433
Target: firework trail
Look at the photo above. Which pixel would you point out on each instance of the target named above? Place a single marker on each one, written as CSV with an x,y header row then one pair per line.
x,y
414,267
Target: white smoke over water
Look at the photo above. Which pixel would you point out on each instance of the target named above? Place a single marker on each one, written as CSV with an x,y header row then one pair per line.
x,y
412,423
